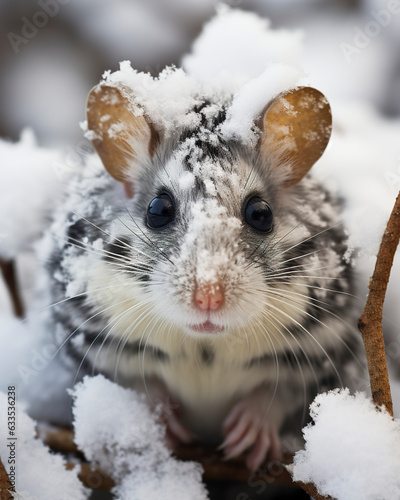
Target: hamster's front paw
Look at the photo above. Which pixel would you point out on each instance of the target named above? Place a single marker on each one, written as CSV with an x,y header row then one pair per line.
x,y
247,429
169,411
176,433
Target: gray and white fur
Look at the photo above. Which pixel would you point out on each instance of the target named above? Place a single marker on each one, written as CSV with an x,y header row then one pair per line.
x,y
126,290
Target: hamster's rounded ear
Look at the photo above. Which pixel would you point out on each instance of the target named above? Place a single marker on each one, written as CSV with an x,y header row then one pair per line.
x,y
296,129
119,137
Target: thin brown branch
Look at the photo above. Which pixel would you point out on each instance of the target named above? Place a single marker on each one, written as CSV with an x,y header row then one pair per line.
x,y
59,439
10,278
62,440
215,467
92,477
96,478
312,491
370,322
5,484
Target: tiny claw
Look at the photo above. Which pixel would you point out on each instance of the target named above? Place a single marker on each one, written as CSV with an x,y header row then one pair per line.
x,y
259,452
227,457
236,433
231,418
276,449
221,446
247,431
242,444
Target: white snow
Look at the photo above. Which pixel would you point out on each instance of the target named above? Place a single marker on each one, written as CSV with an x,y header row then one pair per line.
x,y
352,450
117,430
167,99
250,100
236,46
29,186
187,181
40,474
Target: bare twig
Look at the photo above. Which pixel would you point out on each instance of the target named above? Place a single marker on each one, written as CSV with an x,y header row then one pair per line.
x,y
62,440
59,439
5,484
370,322
10,279
96,478
312,491
92,477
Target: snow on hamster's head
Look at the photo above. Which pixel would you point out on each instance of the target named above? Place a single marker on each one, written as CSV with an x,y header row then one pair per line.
x,y
209,209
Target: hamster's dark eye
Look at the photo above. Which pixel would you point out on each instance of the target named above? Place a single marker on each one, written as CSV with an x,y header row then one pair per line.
x,y
161,211
258,214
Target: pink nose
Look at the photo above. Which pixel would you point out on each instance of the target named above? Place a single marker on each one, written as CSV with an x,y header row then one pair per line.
x,y
209,297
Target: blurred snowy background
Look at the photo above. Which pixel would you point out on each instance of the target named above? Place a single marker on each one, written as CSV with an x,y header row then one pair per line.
x,y
46,75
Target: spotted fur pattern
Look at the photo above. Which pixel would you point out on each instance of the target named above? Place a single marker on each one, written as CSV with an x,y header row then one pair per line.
x,y
288,315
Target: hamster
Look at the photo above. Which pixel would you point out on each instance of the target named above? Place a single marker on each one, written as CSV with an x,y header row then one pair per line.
x,y
206,272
